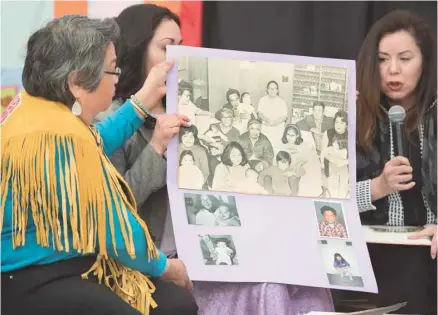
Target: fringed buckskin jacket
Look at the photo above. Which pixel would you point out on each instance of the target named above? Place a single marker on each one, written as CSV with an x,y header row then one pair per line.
x,y
61,197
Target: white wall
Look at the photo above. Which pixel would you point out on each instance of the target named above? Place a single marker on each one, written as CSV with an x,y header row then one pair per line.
x,y
103,9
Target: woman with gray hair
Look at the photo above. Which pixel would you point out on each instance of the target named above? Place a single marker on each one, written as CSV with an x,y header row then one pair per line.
x,y
68,220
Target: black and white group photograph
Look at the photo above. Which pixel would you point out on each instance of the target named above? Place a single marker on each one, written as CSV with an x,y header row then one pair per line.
x,y
218,250
266,128
211,210
340,263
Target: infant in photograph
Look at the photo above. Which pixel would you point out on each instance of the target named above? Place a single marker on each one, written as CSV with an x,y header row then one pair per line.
x,y
331,220
191,175
218,250
251,183
340,263
211,210
266,131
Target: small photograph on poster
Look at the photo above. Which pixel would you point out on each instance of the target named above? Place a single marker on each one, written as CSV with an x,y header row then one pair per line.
x,y
218,250
331,219
340,263
211,210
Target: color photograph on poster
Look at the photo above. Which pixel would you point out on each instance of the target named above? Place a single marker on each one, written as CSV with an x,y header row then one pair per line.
x,y
331,220
340,263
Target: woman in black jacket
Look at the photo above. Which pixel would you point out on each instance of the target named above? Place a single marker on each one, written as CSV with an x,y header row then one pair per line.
x,y
397,66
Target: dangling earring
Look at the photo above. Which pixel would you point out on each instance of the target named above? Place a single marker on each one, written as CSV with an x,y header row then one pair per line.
x,y
76,109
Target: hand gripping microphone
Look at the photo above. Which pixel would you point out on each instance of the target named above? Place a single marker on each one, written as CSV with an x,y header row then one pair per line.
x,y
397,116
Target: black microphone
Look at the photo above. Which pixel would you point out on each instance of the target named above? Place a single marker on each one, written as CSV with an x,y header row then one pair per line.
x,y
397,116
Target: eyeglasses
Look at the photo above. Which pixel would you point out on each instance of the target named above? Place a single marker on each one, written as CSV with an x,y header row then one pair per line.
x,y
116,73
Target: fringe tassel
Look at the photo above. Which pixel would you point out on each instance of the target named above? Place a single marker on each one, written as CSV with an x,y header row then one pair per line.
x,y
132,286
88,182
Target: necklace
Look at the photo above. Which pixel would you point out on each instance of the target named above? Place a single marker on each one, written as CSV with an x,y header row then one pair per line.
x,y
95,134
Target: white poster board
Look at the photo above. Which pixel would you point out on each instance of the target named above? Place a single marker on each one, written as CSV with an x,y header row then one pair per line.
x,y
269,195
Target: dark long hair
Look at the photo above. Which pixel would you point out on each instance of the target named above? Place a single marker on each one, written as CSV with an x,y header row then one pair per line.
x,y
336,255
138,24
297,130
192,129
227,152
213,200
368,75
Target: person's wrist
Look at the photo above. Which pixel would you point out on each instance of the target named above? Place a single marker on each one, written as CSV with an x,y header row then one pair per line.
x,y
170,272
167,270
166,267
158,146
139,111
378,188
146,97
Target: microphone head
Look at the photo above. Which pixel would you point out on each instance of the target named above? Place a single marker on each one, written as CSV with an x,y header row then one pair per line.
x,y
397,113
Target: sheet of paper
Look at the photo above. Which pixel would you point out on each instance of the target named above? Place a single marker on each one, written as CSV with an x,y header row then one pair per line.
x,y
374,311
397,235
260,186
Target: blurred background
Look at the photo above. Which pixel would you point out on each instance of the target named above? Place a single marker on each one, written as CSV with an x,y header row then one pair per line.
x,y
332,29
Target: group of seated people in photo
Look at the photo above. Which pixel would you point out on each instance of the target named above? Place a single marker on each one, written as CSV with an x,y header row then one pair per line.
x,y
240,148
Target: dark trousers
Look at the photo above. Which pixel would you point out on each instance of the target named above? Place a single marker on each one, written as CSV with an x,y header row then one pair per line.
x,y
58,289
405,273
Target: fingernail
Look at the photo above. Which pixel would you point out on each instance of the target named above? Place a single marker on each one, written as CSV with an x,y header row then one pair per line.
x,y
433,256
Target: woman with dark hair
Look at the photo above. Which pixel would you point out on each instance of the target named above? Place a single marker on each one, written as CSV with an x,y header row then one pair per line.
x,y
342,266
146,29
305,161
397,65
292,135
188,140
334,157
206,206
232,168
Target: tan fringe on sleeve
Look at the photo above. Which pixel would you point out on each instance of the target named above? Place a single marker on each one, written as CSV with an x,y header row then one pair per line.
x,y
87,183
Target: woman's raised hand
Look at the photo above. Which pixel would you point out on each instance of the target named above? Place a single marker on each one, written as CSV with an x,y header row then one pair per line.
x,y
166,127
395,175
154,88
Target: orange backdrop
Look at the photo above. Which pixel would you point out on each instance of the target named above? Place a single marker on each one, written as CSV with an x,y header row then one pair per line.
x,y
190,13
